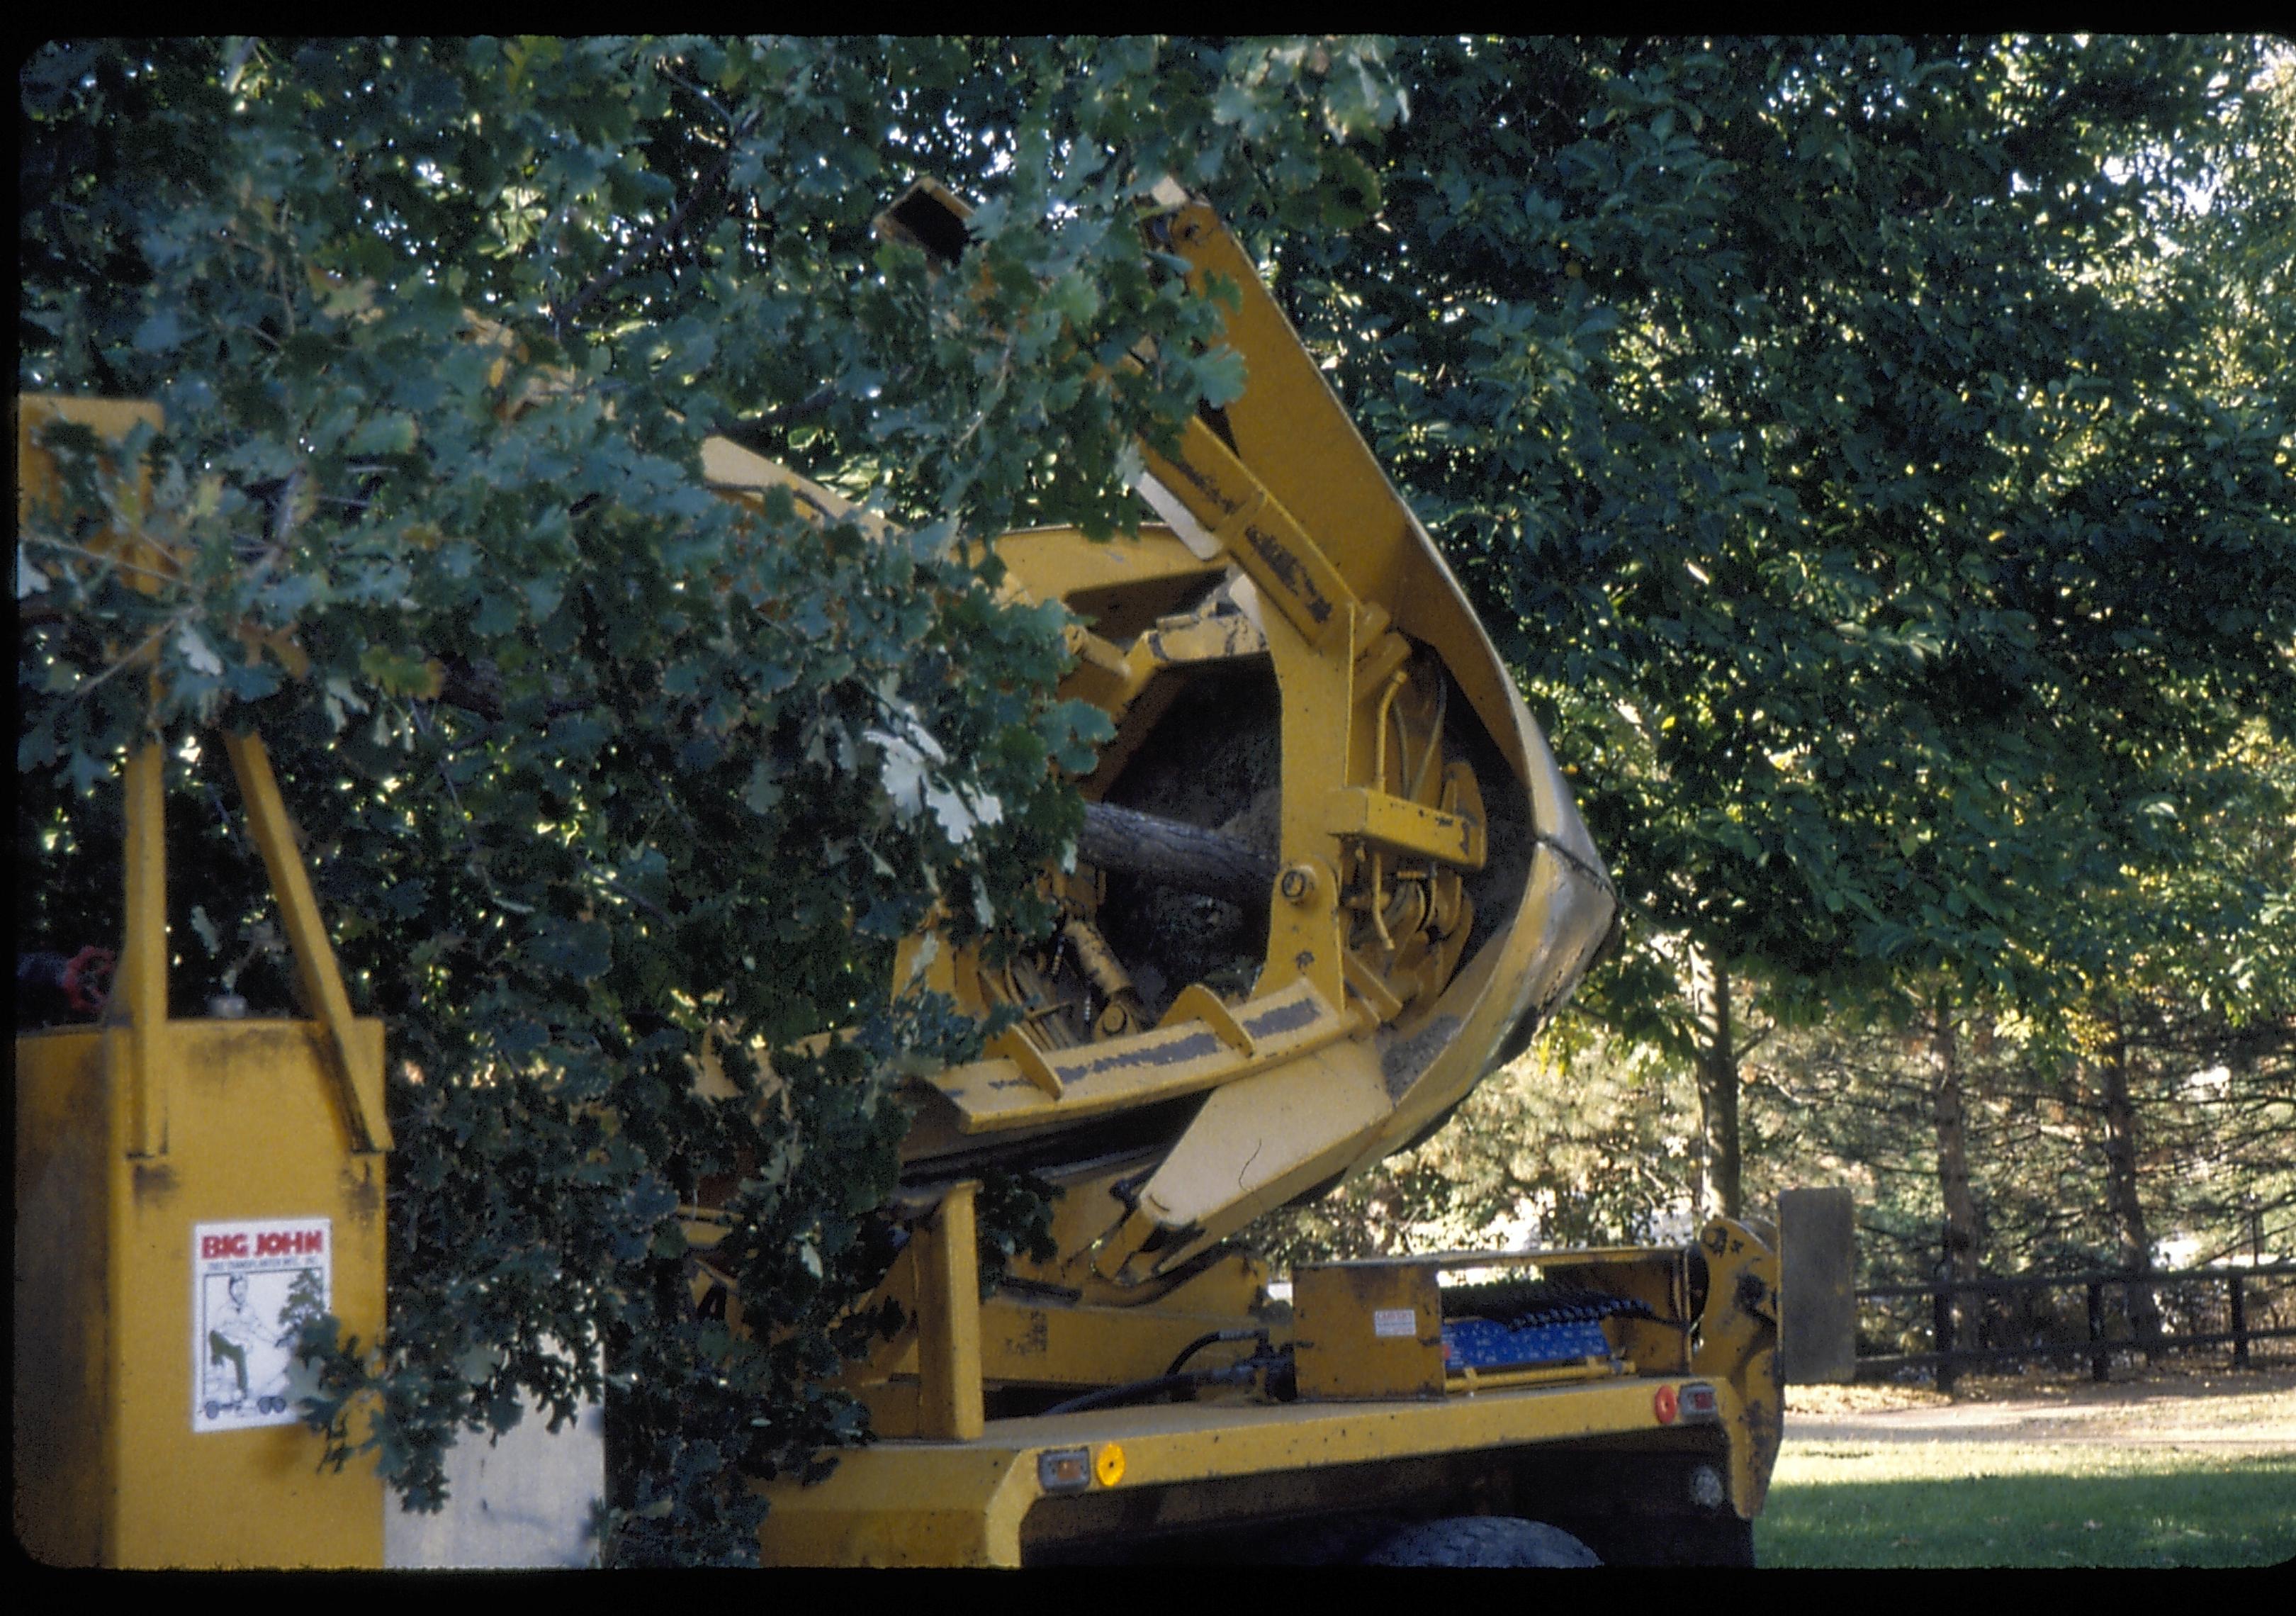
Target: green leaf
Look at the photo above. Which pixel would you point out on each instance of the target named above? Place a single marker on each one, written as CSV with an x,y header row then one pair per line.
x,y
391,434
160,331
1220,377
401,673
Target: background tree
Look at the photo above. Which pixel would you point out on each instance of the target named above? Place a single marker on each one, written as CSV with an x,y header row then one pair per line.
x,y
1585,1141
1833,504
1838,436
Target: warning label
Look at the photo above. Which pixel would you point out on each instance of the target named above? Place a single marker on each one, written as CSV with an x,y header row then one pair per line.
x,y
1394,1321
254,1287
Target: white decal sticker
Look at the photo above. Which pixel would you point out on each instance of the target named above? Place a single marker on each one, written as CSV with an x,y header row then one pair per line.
x,y
254,1285
1394,1321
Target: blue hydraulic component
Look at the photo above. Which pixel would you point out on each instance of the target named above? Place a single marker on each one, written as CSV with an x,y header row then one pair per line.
x,y
1481,1344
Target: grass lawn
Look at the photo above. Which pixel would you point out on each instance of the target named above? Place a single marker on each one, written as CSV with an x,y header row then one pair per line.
x,y
2027,1504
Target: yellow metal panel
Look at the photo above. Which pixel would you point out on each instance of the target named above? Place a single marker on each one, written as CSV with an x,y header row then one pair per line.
x,y
117,1473
1012,1049
962,1504
1404,826
729,467
1318,693
1523,968
1257,1143
358,1085
1294,431
1254,527
1197,1002
1161,1063
142,983
949,1319
109,418
131,1135
1141,702
936,1504
1367,1330
1082,1346
1195,1441
39,487
1213,639
1119,585
1738,1350
1658,1279
61,1346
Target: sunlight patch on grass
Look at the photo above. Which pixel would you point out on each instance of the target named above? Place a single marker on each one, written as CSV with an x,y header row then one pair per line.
x,y
1979,1504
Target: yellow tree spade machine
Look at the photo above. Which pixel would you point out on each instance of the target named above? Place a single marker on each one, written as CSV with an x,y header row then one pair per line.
x,y
1330,877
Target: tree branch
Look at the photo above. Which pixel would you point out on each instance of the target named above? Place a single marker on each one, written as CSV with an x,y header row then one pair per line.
x,y
669,227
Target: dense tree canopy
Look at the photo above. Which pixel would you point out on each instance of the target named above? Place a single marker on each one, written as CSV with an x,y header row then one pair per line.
x,y
1874,456
596,762
1834,432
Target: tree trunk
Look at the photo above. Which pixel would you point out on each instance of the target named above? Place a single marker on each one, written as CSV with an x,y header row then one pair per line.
x,y
1964,1237
2120,1196
1175,854
1718,1106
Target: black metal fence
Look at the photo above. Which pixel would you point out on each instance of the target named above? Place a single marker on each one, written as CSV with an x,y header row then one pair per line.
x,y
2068,1317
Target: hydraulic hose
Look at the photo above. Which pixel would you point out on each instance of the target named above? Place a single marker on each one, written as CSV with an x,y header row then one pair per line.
x,y
1211,1337
1140,1391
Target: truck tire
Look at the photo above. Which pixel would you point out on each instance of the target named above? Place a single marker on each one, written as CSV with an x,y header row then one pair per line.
x,y
1482,1540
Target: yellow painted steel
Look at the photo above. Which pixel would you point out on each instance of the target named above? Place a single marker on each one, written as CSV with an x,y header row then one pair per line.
x,y
1283,551
1027,1341
130,1134
1367,1330
1247,521
1368,1019
1029,1334
728,468
1401,825
949,1319
952,1504
1261,1141
1738,1349
1172,1060
135,1041
1373,1328
358,1085
143,562
127,1137
1469,1381
109,1468
1368,1398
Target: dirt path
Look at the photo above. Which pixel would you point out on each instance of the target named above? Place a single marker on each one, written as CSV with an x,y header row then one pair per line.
x,y
2216,1409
